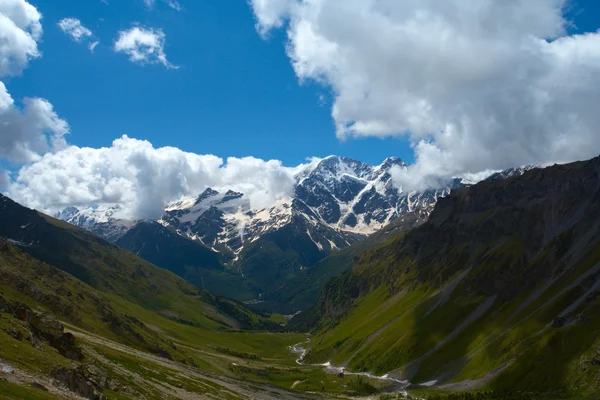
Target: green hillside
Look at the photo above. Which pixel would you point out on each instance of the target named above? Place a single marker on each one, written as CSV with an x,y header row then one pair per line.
x,y
115,271
499,290
80,317
68,337
186,258
303,289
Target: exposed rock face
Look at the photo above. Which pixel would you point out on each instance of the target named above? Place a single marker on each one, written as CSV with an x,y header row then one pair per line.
x,y
42,326
47,327
85,381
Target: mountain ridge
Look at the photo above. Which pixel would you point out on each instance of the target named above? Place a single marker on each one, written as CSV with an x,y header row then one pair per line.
x,y
336,203
499,288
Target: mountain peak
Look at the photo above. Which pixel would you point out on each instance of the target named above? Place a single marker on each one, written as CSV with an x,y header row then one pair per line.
x,y
336,166
333,160
67,213
392,161
231,195
205,195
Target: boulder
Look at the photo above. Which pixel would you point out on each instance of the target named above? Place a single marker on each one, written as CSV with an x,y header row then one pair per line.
x,y
77,381
47,327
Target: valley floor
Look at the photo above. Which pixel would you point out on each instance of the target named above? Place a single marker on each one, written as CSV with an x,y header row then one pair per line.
x,y
129,373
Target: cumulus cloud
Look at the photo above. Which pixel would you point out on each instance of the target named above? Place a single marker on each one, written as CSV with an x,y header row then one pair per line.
x,y
29,131
79,33
143,179
143,46
475,87
32,128
20,30
271,13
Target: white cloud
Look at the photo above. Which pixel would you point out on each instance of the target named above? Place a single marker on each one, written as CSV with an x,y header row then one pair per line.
x,y
29,131
143,45
74,28
20,30
271,13
142,178
33,128
174,4
77,32
476,86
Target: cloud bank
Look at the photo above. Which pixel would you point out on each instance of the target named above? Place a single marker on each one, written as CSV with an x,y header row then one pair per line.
x,y
478,86
142,178
131,173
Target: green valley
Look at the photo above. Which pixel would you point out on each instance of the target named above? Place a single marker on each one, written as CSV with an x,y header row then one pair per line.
x,y
82,317
494,296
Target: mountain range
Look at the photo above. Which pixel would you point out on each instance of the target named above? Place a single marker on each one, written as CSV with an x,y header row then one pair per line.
x,y
249,254
352,198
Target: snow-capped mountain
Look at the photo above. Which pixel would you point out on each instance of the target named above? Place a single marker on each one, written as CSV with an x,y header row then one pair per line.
x,y
346,198
335,203
357,197
103,221
510,173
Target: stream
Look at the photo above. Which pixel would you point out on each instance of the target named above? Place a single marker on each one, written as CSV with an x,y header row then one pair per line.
x,y
301,350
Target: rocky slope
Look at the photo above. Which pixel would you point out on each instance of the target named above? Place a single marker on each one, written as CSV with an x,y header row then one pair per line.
x,y
498,289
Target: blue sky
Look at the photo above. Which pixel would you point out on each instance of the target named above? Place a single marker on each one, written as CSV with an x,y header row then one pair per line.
x,y
466,91
234,94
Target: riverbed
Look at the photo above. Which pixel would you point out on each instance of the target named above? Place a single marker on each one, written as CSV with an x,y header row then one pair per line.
x,y
329,368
